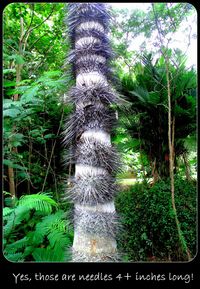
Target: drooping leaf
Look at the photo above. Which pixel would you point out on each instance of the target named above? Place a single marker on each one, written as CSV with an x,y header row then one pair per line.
x,y
29,94
7,103
19,59
9,83
40,202
7,211
10,164
11,112
44,255
8,70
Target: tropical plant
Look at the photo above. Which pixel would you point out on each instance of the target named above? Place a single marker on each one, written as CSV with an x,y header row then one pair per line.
x,y
88,130
36,225
37,117
29,51
35,229
150,233
148,121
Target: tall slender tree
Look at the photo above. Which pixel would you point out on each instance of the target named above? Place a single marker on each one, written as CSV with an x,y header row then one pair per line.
x,y
89,133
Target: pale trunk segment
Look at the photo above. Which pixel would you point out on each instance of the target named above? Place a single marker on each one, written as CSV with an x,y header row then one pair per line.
x,y
96,161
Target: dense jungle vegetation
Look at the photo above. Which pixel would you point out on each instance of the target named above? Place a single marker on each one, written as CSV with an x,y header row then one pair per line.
x,y
156,133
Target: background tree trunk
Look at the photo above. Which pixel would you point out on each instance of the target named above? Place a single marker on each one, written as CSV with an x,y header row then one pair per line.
x,y
93,187
171,137
11,174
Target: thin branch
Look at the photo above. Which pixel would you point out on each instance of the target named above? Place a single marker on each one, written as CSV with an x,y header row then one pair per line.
x,y
52,151
43,60
37,41
32,16
10,47
43,20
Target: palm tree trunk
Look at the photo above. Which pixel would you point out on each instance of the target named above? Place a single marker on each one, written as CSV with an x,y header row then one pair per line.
x,y
88,130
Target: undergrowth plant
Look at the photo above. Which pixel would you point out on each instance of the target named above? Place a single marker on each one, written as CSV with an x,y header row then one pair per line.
x,y
36,229
150,232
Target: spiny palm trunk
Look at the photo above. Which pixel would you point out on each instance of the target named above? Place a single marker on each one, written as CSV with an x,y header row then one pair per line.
x,y
96,161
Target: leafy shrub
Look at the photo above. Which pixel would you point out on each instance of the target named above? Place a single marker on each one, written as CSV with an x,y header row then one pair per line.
x,y
36,230
150,231
32,127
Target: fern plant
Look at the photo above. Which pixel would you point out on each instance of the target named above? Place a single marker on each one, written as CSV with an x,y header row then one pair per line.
x,y
36,230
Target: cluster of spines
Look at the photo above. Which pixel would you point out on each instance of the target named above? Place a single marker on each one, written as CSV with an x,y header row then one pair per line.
x,y
91,152
86,12
93,112
93,116
84,257
92,189
98,92
96,223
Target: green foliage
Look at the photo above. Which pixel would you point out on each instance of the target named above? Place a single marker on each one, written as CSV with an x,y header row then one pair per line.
x,y
36,116
43,46
34,231
34,83
150,231
34,49
132,25
39,202
147,121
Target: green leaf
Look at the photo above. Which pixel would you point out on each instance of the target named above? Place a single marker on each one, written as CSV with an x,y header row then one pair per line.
x,y
50,135
15,257
35,132
11,112
154,97
19,137
10,164
25,113
8,70
19,244
16,143
7,103
9,83
29,94
19,59
45,255
40,202
7,211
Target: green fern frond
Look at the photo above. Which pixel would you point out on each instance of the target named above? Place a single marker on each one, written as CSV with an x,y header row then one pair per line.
x,y
53,223
18,245
7,211
28,251
43,227
55,229
48,255
58,239
18,215
35,237
14,257
40,202
142,94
